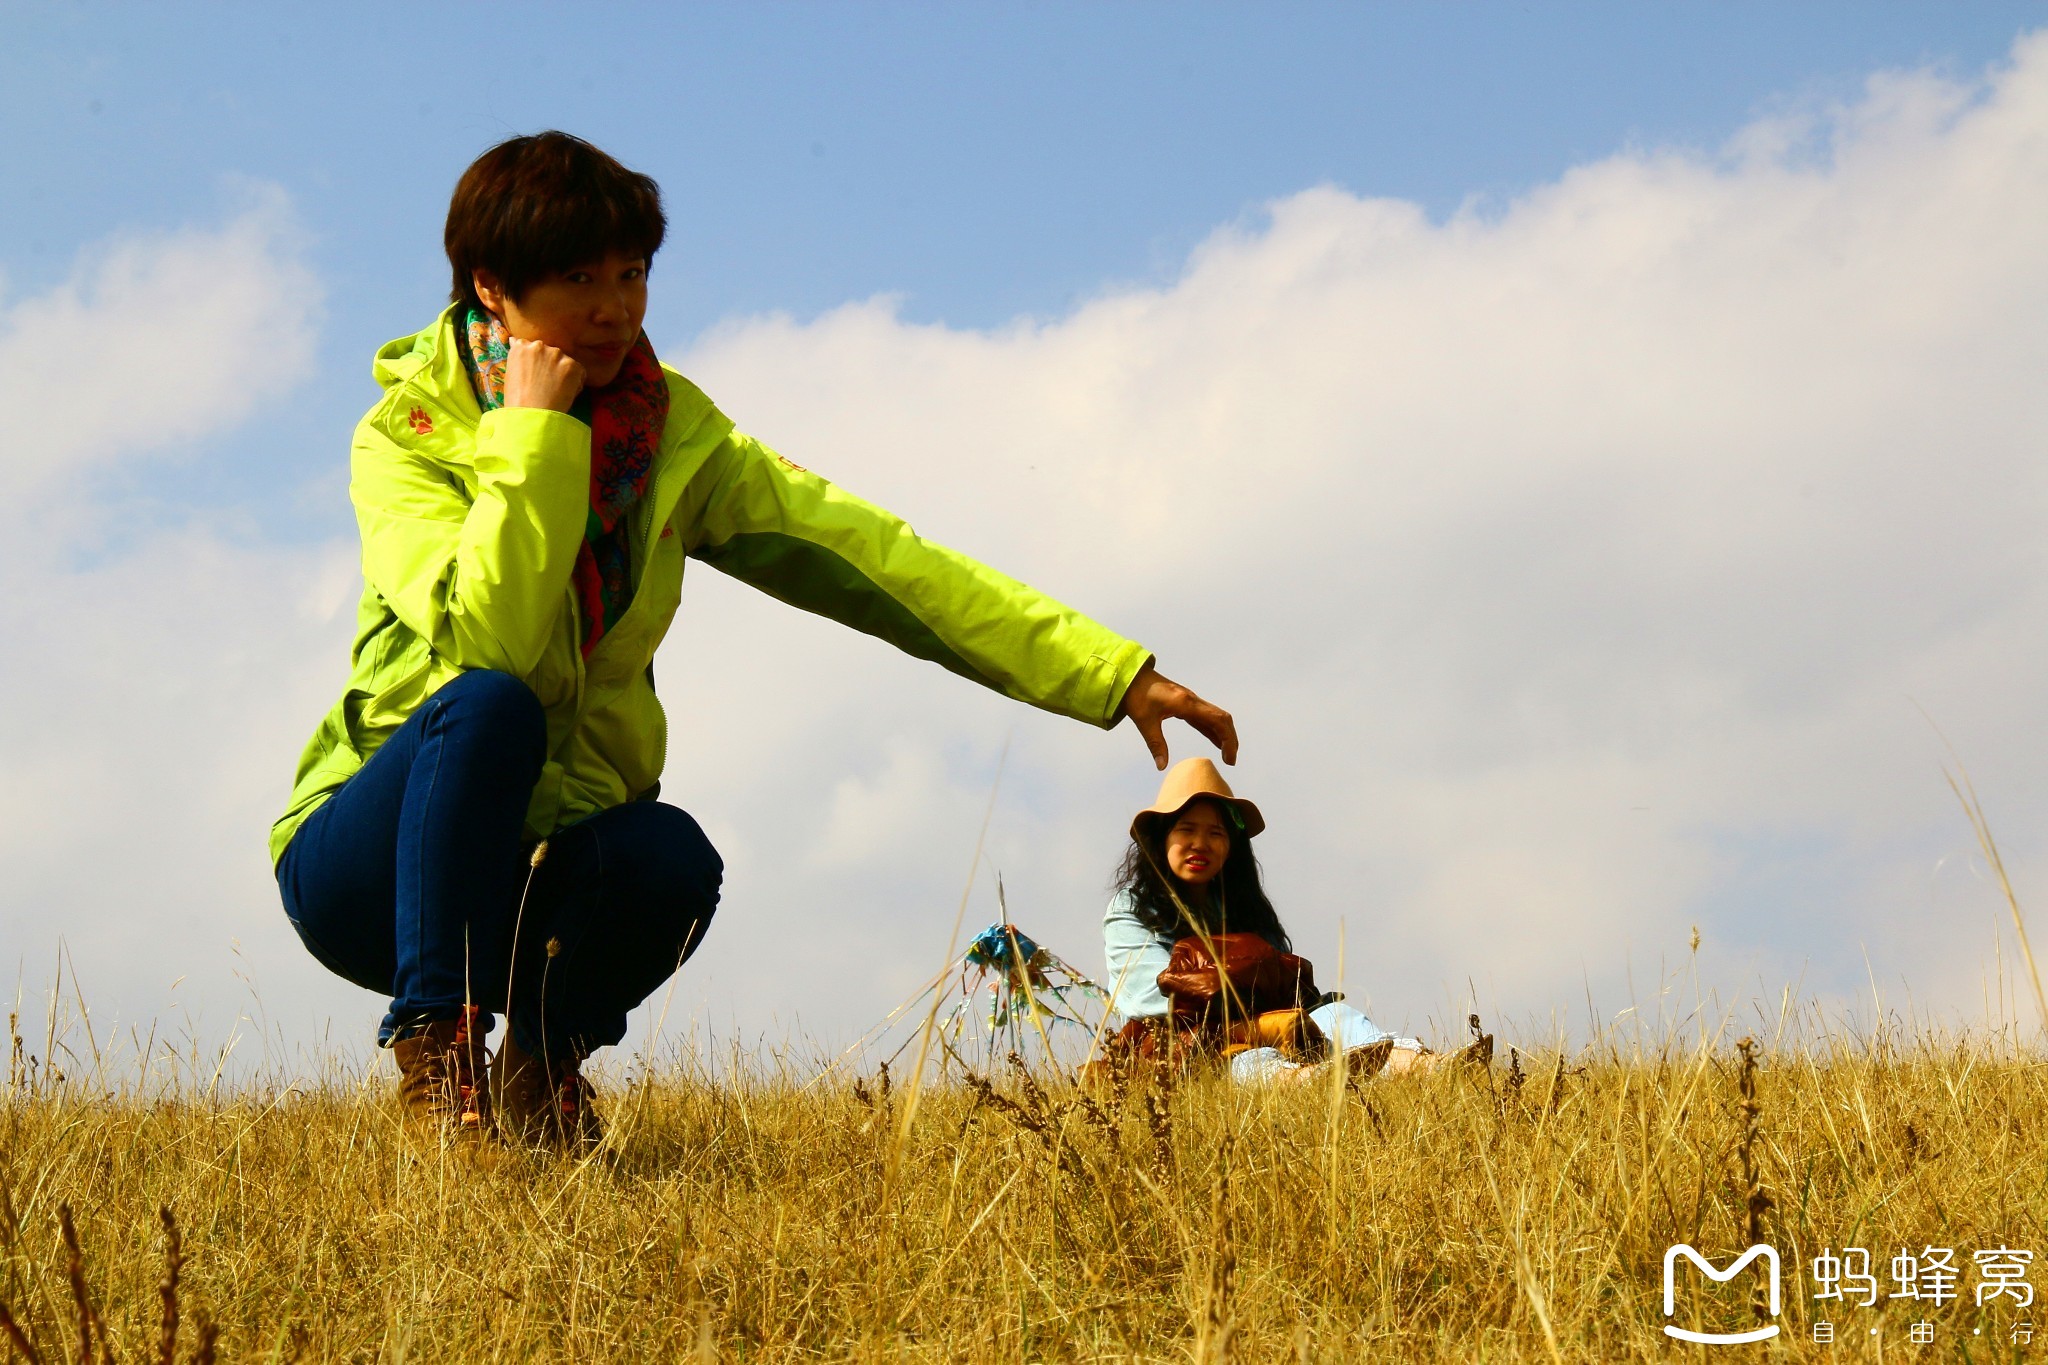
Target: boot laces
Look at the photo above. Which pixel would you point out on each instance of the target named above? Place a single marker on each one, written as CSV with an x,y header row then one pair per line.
x,y
463,1069
569,1095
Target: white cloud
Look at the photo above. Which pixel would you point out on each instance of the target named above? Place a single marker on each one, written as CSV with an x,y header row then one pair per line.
x,y
1570,567
156,339
156,690
1573,569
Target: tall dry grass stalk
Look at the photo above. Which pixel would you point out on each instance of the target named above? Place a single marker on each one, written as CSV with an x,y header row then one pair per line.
x,y
1958,779
1966,793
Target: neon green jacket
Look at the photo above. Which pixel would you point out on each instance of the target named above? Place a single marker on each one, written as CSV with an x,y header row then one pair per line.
x,y
471,522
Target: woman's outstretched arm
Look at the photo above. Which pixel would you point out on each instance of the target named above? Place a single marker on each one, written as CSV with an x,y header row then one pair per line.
x,y
798,537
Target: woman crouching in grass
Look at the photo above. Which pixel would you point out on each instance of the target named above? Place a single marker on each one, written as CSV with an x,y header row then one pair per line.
x,y
1190,873
474,826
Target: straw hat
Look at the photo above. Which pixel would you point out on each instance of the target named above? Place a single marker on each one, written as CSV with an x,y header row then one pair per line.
x,y
1197,777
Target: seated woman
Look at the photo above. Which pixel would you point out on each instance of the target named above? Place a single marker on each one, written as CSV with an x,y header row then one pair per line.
x,y
1190,869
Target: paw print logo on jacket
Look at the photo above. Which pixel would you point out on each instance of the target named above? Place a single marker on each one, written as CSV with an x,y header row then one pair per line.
x,y
421,423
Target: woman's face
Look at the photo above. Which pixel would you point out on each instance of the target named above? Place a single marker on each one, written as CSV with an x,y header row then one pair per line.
x,y
1197,844
592,313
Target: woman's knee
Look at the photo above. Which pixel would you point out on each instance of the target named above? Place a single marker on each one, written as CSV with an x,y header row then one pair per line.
x,y
695,856
497,702
658,856
689,875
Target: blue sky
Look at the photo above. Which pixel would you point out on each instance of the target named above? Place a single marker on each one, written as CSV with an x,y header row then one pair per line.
x,y
981,161
1624,412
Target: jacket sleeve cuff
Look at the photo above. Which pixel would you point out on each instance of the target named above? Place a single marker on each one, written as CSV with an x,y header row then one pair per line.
x,y
1123,665
538,448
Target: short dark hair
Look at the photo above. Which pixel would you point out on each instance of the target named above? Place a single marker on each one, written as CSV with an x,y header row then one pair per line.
x,y
546,202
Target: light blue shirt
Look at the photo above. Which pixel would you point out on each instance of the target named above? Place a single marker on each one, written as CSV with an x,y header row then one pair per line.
x,y
1135,955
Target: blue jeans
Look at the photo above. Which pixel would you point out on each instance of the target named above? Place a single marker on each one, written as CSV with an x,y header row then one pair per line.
x,y
409,881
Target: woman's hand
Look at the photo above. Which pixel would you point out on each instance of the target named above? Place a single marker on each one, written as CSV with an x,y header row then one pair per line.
x,y
1154,698
539,376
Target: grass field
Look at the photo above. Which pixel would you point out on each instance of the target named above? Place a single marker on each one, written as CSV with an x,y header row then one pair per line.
x,y
1522,1214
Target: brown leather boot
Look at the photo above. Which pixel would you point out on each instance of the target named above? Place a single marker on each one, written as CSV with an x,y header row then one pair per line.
x,y
1364,1063
440,1070
547,1104
1476,1055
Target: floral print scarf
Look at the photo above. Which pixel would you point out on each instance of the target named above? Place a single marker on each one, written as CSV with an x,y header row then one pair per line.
x,y
625,418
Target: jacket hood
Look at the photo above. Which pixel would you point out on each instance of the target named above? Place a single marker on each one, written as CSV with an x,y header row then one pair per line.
x,y
427,359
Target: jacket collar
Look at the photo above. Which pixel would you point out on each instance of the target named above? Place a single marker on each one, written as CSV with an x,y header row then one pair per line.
x,y
426,367
429,365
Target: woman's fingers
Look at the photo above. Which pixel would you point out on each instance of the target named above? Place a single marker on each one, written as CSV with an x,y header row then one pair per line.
x,y
1150,730
1215,723
538,375
1155,698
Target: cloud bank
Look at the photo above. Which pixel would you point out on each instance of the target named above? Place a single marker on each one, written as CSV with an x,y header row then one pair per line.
x,y
1578,569
160,664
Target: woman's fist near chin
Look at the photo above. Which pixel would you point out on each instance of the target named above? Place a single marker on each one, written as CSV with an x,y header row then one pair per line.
x,y
539,376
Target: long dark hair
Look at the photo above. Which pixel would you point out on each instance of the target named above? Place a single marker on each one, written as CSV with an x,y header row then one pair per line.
x,y
1237,903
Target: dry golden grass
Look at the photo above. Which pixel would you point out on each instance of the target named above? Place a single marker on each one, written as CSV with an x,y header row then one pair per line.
x,y
1520,1215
